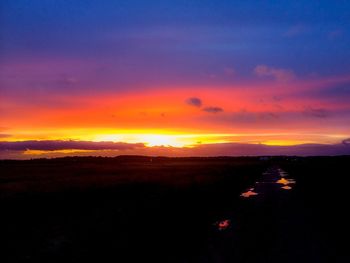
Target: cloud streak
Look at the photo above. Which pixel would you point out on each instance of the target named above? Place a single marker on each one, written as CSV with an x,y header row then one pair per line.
x,y
279,74
55,145
213,109
346,141
316,112
19,150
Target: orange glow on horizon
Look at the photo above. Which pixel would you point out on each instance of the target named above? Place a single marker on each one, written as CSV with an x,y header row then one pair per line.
x,y
150,117
175,139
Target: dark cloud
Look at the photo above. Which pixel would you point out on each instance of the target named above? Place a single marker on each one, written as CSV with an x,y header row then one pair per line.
x,y
14,150
346,141
246,149
213,109
197,102
67,145
316,112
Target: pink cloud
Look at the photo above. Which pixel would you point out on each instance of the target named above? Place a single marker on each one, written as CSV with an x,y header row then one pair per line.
x,y
283,75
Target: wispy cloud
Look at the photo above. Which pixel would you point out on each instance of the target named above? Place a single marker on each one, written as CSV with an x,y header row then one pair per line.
x,y
213,109
279,74
316,112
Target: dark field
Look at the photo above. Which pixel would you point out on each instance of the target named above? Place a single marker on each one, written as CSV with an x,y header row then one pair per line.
x,y
142,209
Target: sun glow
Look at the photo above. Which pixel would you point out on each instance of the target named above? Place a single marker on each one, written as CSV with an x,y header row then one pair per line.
x,y
150,140
169,138
162,140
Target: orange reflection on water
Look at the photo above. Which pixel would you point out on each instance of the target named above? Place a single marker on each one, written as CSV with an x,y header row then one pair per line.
x,y
224,224
249,193
286,187
285,181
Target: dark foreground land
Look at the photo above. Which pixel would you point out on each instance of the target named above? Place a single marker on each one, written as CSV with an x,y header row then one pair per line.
x,y
142,209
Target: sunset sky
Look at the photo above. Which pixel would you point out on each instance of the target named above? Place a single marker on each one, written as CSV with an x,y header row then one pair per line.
x,y
173,77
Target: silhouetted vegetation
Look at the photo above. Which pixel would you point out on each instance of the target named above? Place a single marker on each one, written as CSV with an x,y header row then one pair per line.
x,y
142,209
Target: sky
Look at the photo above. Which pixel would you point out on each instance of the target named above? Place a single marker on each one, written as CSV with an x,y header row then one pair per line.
x,y
174,77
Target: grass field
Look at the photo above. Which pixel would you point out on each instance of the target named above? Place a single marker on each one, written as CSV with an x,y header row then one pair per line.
x,y
143,209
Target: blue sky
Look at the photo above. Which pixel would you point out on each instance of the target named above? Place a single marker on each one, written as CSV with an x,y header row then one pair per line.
x,y
182,39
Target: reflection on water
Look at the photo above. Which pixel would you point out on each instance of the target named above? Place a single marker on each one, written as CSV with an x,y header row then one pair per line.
x,y
273,178
224,224
249,193
285,181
